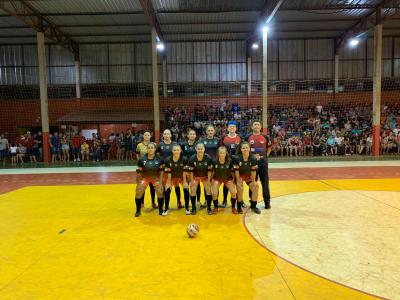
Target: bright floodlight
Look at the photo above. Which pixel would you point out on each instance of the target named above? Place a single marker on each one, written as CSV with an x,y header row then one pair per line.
x,y
254,46
160,46
265,29
354,42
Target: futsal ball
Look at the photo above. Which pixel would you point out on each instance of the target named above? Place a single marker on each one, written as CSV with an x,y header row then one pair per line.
x,y
192,230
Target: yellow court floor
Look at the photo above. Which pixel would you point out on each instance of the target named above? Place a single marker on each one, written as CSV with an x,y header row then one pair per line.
x,y
82,242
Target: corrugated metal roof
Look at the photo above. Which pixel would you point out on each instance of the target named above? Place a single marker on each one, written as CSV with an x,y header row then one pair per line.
x,y
205,37
190,20
208,17
113,39
117,30
71,6
207,5
10,21
20,40
103,20
234,27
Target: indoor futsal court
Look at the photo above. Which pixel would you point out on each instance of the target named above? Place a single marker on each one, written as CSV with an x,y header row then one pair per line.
x,y
192,149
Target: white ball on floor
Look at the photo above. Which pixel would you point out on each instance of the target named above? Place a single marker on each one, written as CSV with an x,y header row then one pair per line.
x,y
192,230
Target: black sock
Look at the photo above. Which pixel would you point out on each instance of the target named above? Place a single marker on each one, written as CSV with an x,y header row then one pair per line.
x,y
253,204
178,193
233,202
193,200
198,192
138,202
239,204
167,198
186,195
215,203
226,191
250,194
152,193
209,200
160,204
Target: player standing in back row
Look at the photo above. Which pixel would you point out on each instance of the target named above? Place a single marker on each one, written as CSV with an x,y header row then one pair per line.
x,y
259,146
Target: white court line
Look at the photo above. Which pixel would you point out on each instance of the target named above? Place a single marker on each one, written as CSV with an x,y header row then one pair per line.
x,y
274,165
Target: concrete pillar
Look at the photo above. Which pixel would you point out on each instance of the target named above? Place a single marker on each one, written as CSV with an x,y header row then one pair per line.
x,y
249,76
78,79
265,81
165,77
44,111
336,73
156,100
376,122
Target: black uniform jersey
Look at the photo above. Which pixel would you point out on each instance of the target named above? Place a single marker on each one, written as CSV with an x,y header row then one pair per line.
x,y
176,168
200,168
164,150
222,172
244,167
150,168
188,150
211,146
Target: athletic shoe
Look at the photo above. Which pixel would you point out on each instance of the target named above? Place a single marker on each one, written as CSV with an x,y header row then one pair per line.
x,y
74,159
187,212
267,205
256,210
165,212
234,211
215,211
223,205
240,210
137,214
209,211
160,212
180,205
193,212
244,205
78,159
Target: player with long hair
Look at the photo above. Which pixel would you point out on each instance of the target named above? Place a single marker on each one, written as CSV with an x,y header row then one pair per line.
x,y
222,174
150,171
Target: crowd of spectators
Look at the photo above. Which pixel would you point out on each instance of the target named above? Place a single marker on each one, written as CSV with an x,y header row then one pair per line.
x,y
316,130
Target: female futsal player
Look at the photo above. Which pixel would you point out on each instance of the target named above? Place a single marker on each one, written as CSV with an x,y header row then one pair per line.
x,y
141,149
150,171
245,166
200,168
175,168
222,174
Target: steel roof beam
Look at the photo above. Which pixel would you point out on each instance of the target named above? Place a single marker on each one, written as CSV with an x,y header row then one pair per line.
x,y
33,19
151,16
362,23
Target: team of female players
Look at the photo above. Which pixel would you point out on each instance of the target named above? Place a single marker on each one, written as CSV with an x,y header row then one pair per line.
x,y
230,162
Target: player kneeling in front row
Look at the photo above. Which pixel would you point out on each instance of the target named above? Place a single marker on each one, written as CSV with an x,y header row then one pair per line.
x,y
245,166
200,168
150,170
222,174
175,167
